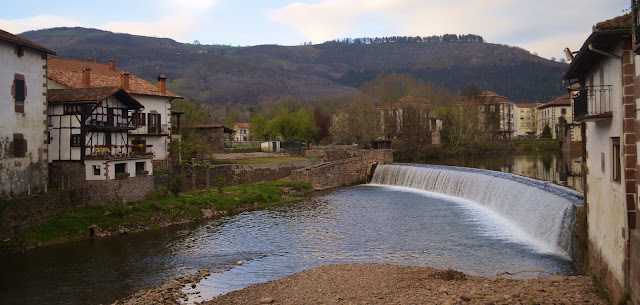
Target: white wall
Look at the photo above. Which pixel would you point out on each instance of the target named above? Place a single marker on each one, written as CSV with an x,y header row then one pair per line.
x,y
17,175
160,142
607,213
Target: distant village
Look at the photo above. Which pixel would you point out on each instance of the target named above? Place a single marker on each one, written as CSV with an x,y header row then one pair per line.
x,y
92,127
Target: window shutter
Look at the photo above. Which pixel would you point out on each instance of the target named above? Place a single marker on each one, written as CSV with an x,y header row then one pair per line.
x,y
24,148
142,119
19,87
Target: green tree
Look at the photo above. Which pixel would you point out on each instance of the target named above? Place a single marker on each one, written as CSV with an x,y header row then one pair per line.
x,y
259,127
546,132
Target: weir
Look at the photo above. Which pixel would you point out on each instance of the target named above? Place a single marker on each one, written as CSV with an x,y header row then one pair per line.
x,y
545,212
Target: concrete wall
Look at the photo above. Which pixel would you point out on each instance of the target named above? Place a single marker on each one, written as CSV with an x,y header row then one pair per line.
x,y
19,174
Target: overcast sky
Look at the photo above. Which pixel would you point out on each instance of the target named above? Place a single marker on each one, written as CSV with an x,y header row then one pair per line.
x,y
542,26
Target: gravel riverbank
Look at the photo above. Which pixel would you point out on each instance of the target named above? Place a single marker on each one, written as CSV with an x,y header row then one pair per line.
x,y
393,284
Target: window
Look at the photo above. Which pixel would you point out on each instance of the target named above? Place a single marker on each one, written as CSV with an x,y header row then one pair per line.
x,y
76,140
72,109
19,92
154,123
139,166
18,146
140,119
96,170
121,168
615,157
139,145
563,111
19,51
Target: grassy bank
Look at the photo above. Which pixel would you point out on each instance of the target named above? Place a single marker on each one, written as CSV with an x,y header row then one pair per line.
x,y
160,209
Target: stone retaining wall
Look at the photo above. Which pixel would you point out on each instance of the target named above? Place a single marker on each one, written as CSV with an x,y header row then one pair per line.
x,y
344,172
204,177
27,211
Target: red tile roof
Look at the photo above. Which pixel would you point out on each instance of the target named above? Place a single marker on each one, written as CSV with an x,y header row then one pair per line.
x,y
488,93
68,72
243,125
564,100
6,36
528,105
623,22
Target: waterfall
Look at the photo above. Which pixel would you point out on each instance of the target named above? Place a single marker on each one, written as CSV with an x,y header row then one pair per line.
x,y
545,212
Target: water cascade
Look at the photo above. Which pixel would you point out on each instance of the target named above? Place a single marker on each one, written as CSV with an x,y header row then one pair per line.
x,y
545,212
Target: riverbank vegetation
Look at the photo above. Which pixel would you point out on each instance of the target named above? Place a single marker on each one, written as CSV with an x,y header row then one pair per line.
x,y
161,208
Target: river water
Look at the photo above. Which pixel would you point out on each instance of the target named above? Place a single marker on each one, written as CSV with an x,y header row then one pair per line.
x,y
356,224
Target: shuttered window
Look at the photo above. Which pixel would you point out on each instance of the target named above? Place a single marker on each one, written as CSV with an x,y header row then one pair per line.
x,y
19,146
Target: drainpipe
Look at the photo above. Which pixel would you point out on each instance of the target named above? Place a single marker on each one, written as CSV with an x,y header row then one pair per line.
x,y
591,48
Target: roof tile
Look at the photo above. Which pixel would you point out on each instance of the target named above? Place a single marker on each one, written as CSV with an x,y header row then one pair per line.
x,y
4,35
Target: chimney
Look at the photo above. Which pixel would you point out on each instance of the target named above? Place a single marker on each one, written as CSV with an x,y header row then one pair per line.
x,y
124,80
86,77
112,65
162,84
89,59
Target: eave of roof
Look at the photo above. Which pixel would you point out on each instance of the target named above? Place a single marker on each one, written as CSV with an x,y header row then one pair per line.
x,y
214,126
91,96
586,60
6,36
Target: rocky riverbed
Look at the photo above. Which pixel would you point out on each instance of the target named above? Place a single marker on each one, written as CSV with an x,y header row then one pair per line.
x,y
389,284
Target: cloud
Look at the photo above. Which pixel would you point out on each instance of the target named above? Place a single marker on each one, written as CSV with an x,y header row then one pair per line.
x,y
175,27
529,24
193,4
17,26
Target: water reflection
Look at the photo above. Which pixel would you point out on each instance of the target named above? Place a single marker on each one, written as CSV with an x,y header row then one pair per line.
x,y
559,168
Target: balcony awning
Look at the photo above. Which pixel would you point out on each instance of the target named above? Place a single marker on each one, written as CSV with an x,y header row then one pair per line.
x,y
91,96
586,60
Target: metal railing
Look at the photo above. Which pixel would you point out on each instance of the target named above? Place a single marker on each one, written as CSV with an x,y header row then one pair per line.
x,y
592,100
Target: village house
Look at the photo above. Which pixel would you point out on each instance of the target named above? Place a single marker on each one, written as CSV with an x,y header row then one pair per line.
x,y
214,135
603,71
554,114
23,122
497,114
242,132
152,121
527,120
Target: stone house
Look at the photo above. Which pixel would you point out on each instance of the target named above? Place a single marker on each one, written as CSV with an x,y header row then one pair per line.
x,y
23,122
152,122
242,132
214,135
601,78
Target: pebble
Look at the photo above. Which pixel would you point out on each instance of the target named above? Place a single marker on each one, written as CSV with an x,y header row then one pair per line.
x,y
239,263
266,300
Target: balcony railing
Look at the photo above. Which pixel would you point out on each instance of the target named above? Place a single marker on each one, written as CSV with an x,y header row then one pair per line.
x,y
118,151
592,103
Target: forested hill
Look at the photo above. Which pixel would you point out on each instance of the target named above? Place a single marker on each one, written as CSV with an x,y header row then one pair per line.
x,y
227,74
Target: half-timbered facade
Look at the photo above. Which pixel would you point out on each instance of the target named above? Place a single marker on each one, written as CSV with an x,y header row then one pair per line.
x,y
92,126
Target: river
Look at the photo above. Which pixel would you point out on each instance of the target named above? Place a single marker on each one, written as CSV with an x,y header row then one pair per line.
x,y
355,224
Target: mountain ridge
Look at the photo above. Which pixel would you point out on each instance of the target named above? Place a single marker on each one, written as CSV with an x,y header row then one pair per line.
x,y
218,74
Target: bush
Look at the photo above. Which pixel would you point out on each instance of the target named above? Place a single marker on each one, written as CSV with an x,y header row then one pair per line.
x,y
159,193
118,208
176,185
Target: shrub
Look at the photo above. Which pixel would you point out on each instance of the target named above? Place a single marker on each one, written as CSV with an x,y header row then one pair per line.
x,y
117,208
159,193
176,185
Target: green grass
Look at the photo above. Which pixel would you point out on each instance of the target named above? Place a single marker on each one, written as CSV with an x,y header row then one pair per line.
x,y
149,213
266,160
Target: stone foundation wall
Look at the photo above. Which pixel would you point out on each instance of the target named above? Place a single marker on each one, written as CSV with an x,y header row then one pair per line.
x,y
605,277
28,211
349,171
333,153
71,176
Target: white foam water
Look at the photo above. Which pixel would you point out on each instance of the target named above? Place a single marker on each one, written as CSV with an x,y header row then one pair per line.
x,y
506,206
